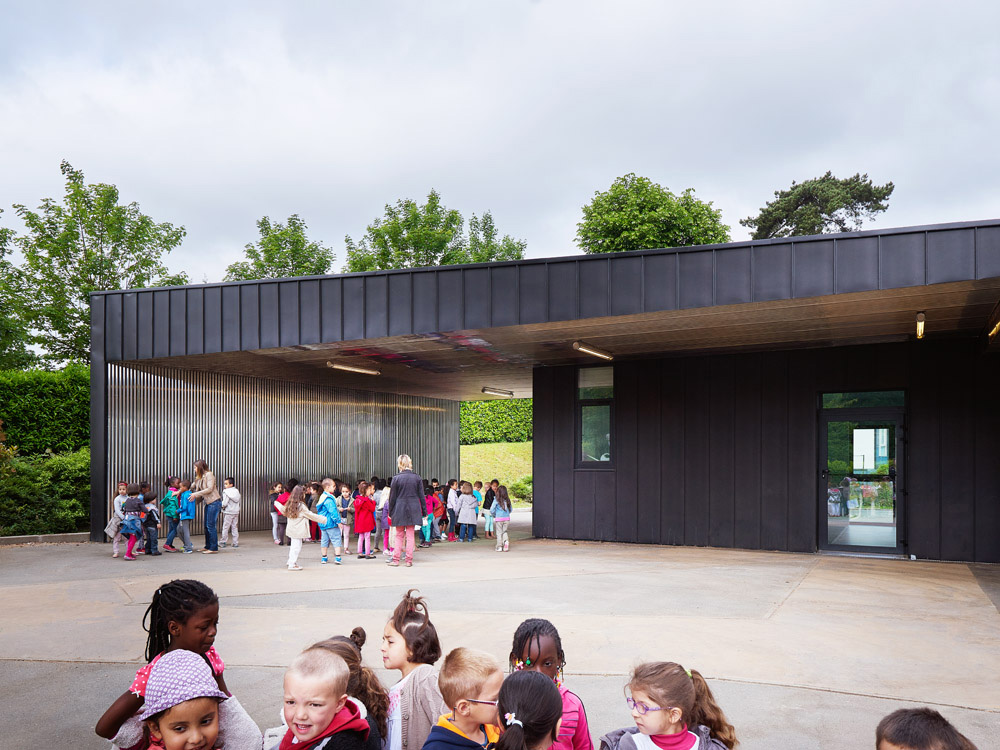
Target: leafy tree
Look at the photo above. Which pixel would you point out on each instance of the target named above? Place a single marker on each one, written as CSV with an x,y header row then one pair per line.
x,y
484,246
823,204
88,243
283,251
637,214
14,335
410,236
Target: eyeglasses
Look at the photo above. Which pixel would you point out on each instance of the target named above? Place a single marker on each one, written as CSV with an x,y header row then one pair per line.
x,y
485,703
642,708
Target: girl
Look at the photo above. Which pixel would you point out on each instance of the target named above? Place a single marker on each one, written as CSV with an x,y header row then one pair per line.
x,y
538,648
184,703
530,711
282,499
183,614
363,685
466,513
134,510
170,508
425,528
500,513
114,527
672,707
364,519
410,644
345,504
272,496
298,516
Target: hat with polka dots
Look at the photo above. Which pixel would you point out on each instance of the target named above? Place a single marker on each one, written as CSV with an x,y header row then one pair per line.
x,y
179,676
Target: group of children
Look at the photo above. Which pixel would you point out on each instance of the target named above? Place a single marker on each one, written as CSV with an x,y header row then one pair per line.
x,y
138,515
332,701
327,513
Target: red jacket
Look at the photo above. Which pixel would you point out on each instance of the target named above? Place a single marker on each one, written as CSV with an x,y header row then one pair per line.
x,y
364,515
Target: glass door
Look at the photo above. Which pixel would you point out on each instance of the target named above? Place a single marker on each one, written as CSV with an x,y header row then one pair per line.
x,y
861,480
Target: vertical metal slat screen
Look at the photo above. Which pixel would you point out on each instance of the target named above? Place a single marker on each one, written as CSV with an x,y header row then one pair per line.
x,y
259,431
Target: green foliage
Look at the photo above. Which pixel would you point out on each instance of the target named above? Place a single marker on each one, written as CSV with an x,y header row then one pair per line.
x,y
46,411
88,243
47,494
522,489
283,251
503,461
637,214
14,334
502,421
411,236
820,205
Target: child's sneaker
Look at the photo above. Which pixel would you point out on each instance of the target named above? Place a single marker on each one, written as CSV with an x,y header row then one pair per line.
x,y
222,545
129,557
295,567
336,560
235,545
506,546
323,561
168,548
189,552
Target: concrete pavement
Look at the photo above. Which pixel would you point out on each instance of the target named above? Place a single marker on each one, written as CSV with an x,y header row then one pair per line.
x,y
802,650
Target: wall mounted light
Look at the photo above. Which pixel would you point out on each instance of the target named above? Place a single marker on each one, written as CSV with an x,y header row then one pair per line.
x,y
920,324
588,349
497,392
994,332
352,368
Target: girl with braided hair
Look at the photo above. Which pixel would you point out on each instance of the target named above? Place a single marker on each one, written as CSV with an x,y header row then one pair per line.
x,y
184,614
538,648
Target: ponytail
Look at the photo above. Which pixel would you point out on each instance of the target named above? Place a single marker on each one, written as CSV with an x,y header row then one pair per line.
x,y
706,711
412,621
529,707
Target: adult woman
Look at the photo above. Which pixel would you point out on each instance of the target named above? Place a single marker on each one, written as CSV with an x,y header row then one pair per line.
x,y
204,488
406,513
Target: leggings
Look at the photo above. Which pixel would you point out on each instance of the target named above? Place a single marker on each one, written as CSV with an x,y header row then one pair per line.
x,y
132,538
489,522
385,542
274,525
364,542
293,552
345,531
404,534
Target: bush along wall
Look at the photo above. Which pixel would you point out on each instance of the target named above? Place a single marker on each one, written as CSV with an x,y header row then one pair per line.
x,y
47,494
46,411
503,421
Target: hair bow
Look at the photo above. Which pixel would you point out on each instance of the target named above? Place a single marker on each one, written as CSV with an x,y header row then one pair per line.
x,y
511,719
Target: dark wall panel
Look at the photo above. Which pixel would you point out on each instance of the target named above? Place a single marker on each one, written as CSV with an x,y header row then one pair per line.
x,y
774,451
923,474
196,322
400,305
250,316
951,256
648,434
722,473
331,301
231,318
450,300
161,323
594,288
425,304
353,310
543,423
376,301
626,285
813,264
732,271
958,470
987,252
269,312
660,282
503,299
697,278
901,260
625,452
310,315
213,319
130,326
987,460
563,289
178,320
532,294
857,264
697,444
144,324
564,431
477,298
585,503
747,461
672,451
772,272
802,453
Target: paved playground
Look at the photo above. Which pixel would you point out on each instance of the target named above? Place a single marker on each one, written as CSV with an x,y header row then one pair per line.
x,y
802,651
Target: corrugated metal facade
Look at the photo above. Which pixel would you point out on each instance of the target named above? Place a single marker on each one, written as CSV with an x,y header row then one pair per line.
x,y
260,431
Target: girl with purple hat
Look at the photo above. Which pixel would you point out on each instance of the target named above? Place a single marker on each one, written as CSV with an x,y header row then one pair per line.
x,y
182,703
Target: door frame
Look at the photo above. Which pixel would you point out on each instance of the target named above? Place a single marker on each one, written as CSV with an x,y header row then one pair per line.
x,y
895,414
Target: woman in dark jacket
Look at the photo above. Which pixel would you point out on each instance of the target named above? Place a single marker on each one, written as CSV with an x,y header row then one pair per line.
x,y
406,512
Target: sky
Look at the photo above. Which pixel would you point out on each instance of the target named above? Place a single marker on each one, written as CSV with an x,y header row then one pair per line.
x,y
212,115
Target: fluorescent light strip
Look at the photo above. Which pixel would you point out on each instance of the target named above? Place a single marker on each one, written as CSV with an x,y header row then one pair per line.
x,y
352,368
588,349
497,392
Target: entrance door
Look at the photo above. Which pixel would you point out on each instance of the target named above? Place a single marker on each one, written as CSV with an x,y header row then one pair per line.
x,y
861,480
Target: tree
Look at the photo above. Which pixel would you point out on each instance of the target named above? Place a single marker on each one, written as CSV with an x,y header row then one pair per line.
x,y
89,243
637,214
820,205
14,334
484,246
283,251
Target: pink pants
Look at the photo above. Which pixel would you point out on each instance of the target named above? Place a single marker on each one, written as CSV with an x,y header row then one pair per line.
x,y
364,542
403,532
386,545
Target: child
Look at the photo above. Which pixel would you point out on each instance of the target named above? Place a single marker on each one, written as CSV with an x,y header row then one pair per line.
x,y
329,531
501,518
488,499
428,519
231,499
170,510
114,527
140,547
538,648
363,684
133,510
387,548
151,524
282,500
298,516
410,644
272,495
438,515
479,502
316,493
919,729
183,614
186,508
671,706
345,504
182,702
452,505
530,712
364,520
469,683
466,507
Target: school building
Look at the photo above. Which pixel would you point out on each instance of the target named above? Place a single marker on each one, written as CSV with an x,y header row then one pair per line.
x,y
834,392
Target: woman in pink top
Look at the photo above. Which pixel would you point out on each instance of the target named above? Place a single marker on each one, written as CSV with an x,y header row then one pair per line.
x,y
537,647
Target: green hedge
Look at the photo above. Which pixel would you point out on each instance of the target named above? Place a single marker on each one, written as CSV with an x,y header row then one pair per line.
x,y
45,494
504,421
46,411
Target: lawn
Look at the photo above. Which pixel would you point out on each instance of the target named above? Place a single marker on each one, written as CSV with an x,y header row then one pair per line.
x,y
507,462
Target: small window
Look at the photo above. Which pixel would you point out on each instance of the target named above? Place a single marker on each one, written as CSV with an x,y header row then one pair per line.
x,y
595,398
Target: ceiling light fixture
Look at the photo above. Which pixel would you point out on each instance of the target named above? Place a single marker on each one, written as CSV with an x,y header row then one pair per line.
x,y
352,368
920,324
995,331
498,392
588,349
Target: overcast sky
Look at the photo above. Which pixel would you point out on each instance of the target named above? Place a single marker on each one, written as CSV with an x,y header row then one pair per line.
x,y
211,115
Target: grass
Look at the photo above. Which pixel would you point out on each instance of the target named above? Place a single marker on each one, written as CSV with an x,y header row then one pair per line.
x,y
507,462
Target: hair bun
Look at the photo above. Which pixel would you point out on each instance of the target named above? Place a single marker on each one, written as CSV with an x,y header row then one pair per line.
x,y
358,636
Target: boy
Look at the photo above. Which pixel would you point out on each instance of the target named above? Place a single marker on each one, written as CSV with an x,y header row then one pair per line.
x,y
477,491
330,531
151,524
918,729
230,511
186,509
469,682
452,504
316,708
169,511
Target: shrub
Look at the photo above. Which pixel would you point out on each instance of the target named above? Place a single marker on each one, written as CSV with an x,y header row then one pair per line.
x,y
522,489
46,411
503,421
47,494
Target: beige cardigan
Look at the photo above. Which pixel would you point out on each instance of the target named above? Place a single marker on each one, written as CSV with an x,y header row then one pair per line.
x,y
420,706
205,489
298,528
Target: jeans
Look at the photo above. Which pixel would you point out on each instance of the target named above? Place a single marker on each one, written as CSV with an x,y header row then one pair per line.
x,y
212,511
403,534
151,542
452,520
172,524
274,525
465,531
